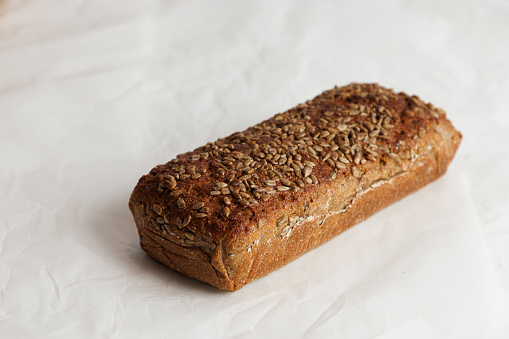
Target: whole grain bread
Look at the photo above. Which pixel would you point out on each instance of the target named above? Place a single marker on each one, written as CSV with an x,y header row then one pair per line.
x,y
239,208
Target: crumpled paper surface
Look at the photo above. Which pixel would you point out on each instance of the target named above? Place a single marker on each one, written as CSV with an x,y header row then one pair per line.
x,y
93,94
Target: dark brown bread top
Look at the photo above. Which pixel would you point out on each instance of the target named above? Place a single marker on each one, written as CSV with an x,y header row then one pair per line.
x,y
227,191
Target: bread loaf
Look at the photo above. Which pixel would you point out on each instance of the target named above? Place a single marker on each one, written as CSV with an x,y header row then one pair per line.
x,y
239,208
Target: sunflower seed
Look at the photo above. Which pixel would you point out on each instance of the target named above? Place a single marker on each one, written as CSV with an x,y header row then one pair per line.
x,y
189,235
311,150
244,195
175,193
170,183
198,206
186,221
226,211
355,172
374,133
270,183
158,209
307,171
166,219
181,203
178,223
285,231
285,182
243,202
314,179
358,157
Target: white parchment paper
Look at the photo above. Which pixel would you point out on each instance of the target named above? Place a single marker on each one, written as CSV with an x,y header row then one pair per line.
x,y
93,94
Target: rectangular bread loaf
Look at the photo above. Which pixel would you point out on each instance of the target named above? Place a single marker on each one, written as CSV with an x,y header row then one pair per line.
x,y
243,206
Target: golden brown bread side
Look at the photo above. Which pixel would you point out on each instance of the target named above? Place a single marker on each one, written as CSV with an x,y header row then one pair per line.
x,y
237,209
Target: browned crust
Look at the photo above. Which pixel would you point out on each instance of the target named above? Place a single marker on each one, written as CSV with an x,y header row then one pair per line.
x,y
390,145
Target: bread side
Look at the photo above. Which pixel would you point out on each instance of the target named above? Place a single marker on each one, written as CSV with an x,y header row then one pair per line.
x,y
237,209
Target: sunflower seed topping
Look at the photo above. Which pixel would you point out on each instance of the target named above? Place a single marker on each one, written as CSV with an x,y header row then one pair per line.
x,y
178,223
221,185
158,209
226,211
175,193
186,221
181,203
270,183
198,206
340,132
307,171
189,235
355,172
285,182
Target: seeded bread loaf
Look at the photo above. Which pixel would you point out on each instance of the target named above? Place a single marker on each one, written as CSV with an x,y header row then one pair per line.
x,y
237,209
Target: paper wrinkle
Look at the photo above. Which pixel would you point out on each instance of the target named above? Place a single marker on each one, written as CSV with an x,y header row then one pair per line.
x,y
257,313
327,315
94,94
53,281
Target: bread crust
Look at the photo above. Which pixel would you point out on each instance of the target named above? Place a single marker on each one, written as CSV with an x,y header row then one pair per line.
x,y
237,209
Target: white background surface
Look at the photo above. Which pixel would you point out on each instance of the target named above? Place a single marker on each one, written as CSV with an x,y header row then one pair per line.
x,y
93,94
